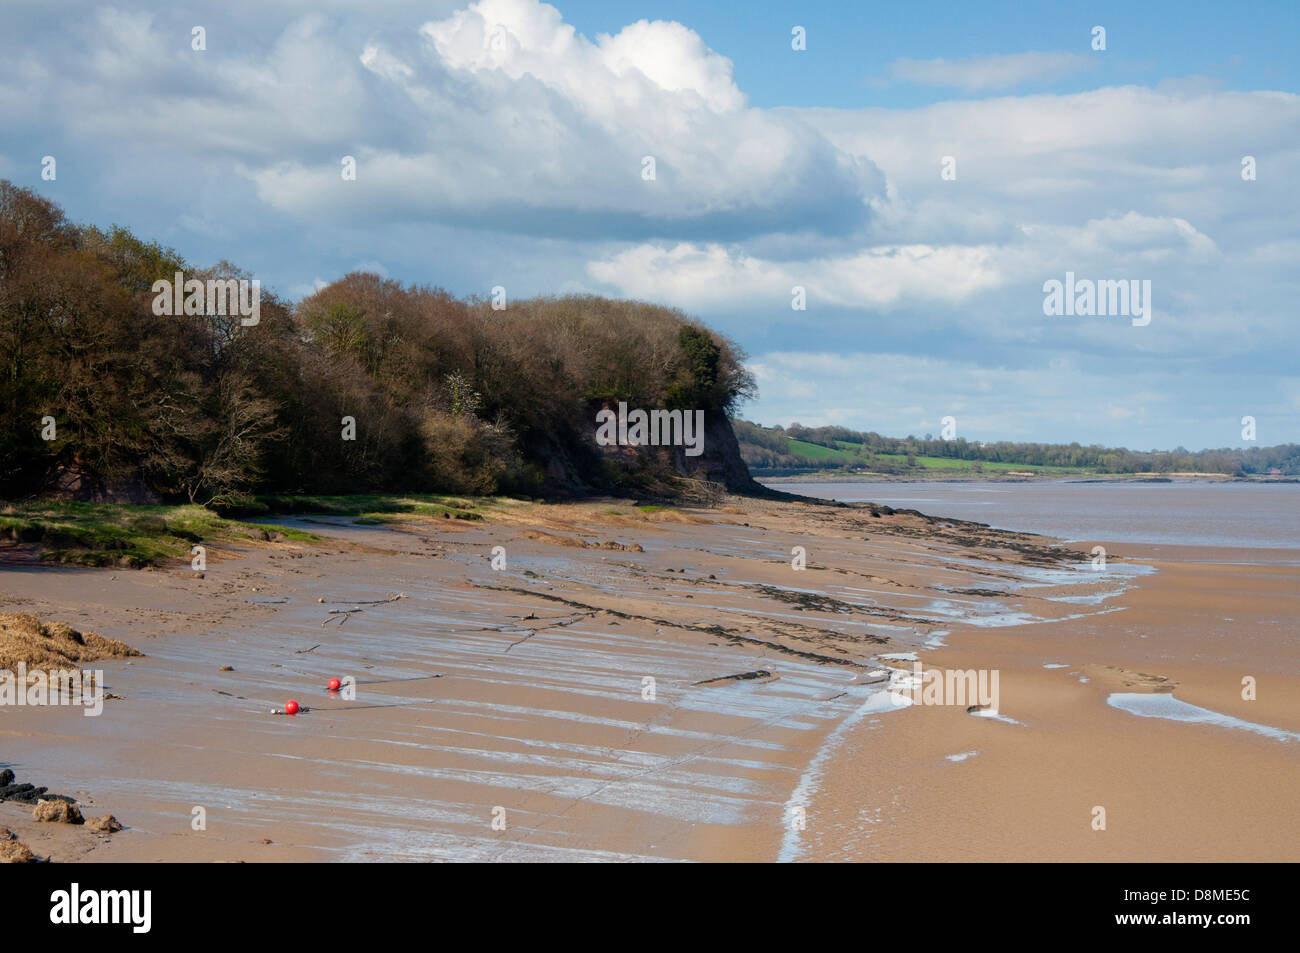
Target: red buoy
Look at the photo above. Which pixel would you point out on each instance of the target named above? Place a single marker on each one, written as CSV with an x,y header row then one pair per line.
x,y
291,707
335,685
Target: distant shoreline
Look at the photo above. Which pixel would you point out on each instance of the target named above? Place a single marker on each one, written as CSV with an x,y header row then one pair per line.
x,y
1182,511
839,477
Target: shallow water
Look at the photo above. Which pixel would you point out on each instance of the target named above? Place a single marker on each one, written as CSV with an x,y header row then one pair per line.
x,y
1168,707
1248,515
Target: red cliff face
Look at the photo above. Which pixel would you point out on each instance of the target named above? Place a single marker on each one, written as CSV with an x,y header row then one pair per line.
x,y
642,467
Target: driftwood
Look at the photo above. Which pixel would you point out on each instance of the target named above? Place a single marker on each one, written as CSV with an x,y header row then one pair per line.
x,y
391,597
342,614
339,615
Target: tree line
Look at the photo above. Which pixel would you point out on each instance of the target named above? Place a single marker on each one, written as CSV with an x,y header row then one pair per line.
x,y
769,448
443,394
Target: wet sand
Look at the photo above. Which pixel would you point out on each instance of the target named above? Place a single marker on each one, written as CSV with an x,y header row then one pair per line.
x,y
541,714
1172,791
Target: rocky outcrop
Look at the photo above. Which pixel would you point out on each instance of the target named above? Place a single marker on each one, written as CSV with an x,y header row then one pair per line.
x,y
658,470
57,812
12,850
721,461
108,824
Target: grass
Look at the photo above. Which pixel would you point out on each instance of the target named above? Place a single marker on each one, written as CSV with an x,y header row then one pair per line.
x,y
115,534
950,463
639,509
135,536
373,508
815,451
845,453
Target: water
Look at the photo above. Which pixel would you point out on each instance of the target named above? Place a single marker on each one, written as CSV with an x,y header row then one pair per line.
x,y
1248,515
1169,707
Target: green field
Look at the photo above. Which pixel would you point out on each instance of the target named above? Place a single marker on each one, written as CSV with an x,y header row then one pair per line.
x,y
815,451
847,455
948,463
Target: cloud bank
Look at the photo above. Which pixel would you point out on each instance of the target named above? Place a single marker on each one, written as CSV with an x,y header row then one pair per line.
x,y
497,144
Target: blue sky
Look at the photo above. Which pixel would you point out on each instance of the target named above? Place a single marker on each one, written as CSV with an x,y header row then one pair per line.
x,y
853,44
503,143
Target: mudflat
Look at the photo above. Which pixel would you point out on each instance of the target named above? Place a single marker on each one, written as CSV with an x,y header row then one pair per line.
x,y
597,681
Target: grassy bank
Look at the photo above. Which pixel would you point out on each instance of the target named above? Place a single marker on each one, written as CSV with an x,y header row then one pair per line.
x,y
135,536
371,507
119,534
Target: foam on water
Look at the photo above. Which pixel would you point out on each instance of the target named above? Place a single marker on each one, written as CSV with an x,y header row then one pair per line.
x,y
877,703
1166,706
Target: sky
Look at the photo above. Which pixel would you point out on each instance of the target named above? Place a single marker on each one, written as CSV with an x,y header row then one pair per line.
x,y
875,218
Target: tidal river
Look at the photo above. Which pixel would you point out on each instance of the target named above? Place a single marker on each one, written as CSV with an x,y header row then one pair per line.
x,y
1247,515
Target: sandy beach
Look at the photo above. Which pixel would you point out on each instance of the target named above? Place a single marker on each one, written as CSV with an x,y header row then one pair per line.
x,y
509,714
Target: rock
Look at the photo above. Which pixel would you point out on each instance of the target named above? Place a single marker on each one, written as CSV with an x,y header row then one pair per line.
x,y
108,824
16,852
227,668
62,812
29,793
12,850
6,778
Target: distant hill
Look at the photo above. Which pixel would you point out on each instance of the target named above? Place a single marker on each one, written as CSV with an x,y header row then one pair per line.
x,y
779,451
